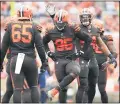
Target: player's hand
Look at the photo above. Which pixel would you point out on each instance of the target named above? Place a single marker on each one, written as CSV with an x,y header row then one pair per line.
x,y
77,54
50,8
81,53
44,66
112,60
105,65
111,68
51,55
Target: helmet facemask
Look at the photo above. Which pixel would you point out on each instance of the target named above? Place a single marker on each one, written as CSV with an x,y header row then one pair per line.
x,y
86,19
61,19
60,25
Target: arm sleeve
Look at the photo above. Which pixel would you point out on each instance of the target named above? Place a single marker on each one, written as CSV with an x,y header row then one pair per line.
x,y
39,46
85,37
46,40
5,43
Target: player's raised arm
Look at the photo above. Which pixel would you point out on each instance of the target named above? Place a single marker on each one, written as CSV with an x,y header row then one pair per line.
x,y
51,9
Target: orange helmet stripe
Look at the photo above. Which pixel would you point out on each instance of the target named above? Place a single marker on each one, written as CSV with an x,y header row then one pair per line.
x,y
61,15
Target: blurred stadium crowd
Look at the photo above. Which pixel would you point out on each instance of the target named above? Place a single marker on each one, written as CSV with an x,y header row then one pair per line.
x,y
106,11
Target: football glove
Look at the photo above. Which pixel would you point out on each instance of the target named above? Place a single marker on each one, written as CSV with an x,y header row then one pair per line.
x,y
44,66
50,8
52,55
112,60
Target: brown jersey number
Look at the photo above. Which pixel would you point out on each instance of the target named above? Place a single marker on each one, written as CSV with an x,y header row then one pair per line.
x,y
20,33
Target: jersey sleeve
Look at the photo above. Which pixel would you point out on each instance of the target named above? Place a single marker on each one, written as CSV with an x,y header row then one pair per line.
x,y
5,27
39,45
5,42
46,40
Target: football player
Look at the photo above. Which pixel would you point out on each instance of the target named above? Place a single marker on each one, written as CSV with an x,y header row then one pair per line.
x,y
9,87
101,59
63,35
20,37
92,72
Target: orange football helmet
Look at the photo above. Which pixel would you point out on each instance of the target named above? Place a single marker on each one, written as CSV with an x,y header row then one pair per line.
x,y
25,11
61,19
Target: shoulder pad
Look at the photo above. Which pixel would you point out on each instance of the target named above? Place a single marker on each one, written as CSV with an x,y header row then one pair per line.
x,y
76,27
49,27
109,37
